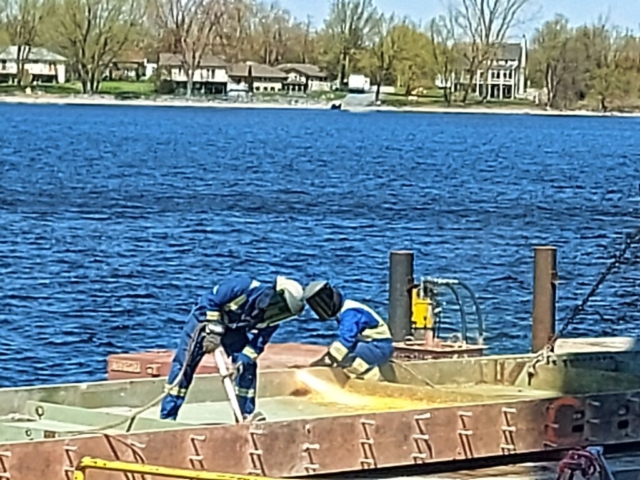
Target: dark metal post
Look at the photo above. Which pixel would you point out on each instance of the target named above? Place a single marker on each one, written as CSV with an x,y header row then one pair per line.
x,y
400,279
545,276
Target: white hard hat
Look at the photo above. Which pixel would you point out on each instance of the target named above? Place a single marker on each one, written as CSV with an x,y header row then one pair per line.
x,y
292,292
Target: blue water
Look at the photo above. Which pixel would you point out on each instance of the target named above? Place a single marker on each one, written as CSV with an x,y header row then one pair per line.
x,y
114,219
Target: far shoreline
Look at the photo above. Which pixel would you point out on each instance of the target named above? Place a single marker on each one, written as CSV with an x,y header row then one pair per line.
x,y
103,100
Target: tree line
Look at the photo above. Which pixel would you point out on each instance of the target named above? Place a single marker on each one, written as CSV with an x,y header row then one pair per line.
x,y
592,63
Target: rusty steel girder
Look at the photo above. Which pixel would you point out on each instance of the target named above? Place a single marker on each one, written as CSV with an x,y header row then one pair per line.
x,y
296,448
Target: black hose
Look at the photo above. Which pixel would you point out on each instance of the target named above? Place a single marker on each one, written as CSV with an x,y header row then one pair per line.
x,y
463,315
131,418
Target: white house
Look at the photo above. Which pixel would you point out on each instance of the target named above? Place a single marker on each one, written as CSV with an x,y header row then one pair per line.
x,y
304,77
506,78
43,65
149,69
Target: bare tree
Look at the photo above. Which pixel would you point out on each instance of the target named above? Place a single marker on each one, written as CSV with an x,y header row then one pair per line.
x,y
273,32
445,52
307,47
191,24
486,24
22,20
235,40
92,33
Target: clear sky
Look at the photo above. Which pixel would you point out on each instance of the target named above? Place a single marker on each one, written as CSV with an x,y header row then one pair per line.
x,y
624,13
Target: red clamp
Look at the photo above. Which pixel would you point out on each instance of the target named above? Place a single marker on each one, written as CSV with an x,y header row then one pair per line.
x,y
579,460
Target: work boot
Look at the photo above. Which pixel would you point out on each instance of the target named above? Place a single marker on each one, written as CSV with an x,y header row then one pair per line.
x,y
255,417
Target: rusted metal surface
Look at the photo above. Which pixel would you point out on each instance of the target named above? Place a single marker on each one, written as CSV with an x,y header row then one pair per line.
x,y
157,363
417,350
350,442
545,277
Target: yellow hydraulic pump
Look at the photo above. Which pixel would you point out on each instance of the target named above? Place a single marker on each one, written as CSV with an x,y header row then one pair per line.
x,y
422,312
427,306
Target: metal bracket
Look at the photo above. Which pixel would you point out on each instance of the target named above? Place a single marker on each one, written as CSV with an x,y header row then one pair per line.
x,y
421,438
138,456
5,470
71,467
197,457
592,421
465,433
311,466
134,444
366,444
257,462
508,431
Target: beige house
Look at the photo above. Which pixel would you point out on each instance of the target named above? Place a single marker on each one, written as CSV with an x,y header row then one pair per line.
x,y
303,77
216,76
505,79
256,77
130,66
43,65
210,77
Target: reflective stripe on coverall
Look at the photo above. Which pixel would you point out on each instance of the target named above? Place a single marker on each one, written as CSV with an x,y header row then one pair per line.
x,y
234,303
364,341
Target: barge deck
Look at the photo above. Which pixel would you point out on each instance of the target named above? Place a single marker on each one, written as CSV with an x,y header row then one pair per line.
x,y
319,422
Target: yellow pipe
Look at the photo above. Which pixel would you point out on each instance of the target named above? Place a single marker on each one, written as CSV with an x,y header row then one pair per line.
x,y
90,463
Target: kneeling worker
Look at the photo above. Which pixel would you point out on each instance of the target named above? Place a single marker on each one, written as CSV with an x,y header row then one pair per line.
x,y
364,340
241,315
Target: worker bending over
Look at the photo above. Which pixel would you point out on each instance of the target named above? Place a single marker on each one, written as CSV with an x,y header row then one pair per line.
x,y
364,341
241,315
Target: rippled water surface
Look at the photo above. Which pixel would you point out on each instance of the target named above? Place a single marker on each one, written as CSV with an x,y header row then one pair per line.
x,y
114,219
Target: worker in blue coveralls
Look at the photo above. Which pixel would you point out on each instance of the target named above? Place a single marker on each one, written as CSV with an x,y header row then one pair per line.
x,y
364,341
241,315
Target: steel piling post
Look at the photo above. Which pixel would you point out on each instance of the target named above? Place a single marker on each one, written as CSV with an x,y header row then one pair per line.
x,y
544,296
400,281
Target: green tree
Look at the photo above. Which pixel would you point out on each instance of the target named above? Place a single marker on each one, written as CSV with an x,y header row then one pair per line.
x,y
414,65
611,78
550,59
347,31
92,33
380,59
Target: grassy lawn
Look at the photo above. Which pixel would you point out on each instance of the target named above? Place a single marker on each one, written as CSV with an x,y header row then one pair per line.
x,y
64,89
143,89
435,98
325,96
135,89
